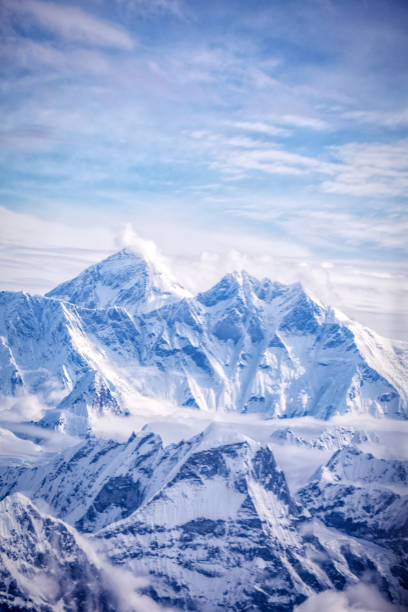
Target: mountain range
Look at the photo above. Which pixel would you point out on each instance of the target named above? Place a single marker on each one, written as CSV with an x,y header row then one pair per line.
x,y
120,331
263,503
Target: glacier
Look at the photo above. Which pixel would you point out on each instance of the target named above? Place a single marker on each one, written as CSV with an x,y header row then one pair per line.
x,y
261,458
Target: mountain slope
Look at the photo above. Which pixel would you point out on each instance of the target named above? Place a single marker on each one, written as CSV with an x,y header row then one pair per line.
x,y
94,483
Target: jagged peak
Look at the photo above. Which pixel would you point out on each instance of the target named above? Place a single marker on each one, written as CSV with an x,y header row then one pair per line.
x,y
240,284
125,279
236,283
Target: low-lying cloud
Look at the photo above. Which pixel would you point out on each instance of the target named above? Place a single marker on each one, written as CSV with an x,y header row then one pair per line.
x,y
358,598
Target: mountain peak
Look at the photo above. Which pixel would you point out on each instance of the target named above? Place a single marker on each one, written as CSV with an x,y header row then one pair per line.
x,y
243,285
125,279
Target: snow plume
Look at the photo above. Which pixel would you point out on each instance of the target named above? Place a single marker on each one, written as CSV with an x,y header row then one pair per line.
x,y
128,238
148,249
357,598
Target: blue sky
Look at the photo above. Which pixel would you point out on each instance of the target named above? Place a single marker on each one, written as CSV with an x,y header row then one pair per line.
x,y
266,127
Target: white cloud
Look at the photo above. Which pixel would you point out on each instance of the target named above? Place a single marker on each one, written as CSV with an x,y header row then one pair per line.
x,y
120,582
168,6
15,448
354,169
24,408
33,55
238,156
266,159
370,169
50,440
383,231
127,237
303,121
391,119
73,24
260,127
358,598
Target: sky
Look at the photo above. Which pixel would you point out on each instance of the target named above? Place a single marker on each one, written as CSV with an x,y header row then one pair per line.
x,y
266,135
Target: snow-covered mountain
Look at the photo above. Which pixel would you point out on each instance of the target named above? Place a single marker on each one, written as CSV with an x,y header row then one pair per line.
x,y
332,438
124,279
96,482
298,485
212,523
245,345
362,495
223,532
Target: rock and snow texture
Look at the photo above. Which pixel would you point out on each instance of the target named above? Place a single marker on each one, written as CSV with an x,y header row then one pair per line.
x,y
94,483
119,332
43,565
211,523
331,438
361,495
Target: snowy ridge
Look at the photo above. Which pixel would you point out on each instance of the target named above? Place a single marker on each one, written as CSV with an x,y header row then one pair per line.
x,y
212,522
331,438
245,345
225,532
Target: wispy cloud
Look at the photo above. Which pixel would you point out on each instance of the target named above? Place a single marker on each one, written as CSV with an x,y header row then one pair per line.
x,y
318,228
238,156
301,121
72,23
383,231
355,169
392,119
174,7
370,169
271,161
260,127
